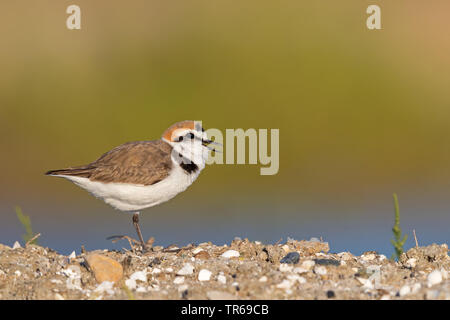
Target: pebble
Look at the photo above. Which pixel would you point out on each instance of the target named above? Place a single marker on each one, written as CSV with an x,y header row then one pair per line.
x,y
18,273
368,257
434,277
327,262
72,255
169,270
187,269
203,255
204,275
222,279
285,267
156,271
230,254
295,277
308,264
300,270
320,270
285,284
291,258
263,279
58,296
366,283
139,276
105,286
411,263
104,268
197,250
220,295
178,280
416,287
405,290
345,255
16,245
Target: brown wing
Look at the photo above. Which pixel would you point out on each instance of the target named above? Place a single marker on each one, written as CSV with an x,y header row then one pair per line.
x,y
141,162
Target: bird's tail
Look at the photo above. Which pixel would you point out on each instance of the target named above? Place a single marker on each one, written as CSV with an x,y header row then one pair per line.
x,y
79,172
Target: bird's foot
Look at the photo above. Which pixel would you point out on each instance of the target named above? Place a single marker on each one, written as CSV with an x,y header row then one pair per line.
x,y
135,245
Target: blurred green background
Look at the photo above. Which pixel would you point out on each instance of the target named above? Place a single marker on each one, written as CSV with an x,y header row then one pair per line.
x,y
361,113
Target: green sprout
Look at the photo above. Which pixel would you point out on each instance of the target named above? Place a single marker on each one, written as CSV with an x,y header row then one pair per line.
x,y
398,240
26,222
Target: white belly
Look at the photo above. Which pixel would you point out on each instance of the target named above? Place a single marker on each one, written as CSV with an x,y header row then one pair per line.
x,y
134,197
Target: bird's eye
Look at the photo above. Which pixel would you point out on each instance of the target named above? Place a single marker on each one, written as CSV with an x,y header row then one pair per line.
x,y
180,138
189,136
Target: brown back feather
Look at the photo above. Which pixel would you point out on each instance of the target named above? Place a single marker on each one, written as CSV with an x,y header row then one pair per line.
x,y
141,162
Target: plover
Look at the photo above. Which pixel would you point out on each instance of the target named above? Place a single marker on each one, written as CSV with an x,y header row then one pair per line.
x,y
142,174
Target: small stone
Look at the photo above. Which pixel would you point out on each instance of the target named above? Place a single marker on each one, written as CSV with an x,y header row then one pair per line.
x,y
197,250
308,264
230,254
141,289
405,290
58,296
434,277
187,269
204,275
366,283
178,280
202,255
105,286
320,270
385,297
139,276
327,262
291,258
16,245
286,248
131,284
263,279
285,284
368,257
330,294
72,255
295,277
18,273
411,263
382,257
156,271
300,270
222,279
220,295
104,268
416,287
169,270
345,255
285,267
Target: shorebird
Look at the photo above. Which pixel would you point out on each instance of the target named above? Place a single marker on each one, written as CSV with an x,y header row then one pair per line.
x,y
142,174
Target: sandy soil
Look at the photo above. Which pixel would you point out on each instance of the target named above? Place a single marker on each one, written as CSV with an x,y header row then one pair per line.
x,y
241,270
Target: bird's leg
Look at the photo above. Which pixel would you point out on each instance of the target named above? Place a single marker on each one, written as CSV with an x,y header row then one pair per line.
x,y
138,230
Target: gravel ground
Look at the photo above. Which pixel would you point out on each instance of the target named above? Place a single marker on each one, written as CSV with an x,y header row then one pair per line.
x,y
241,270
